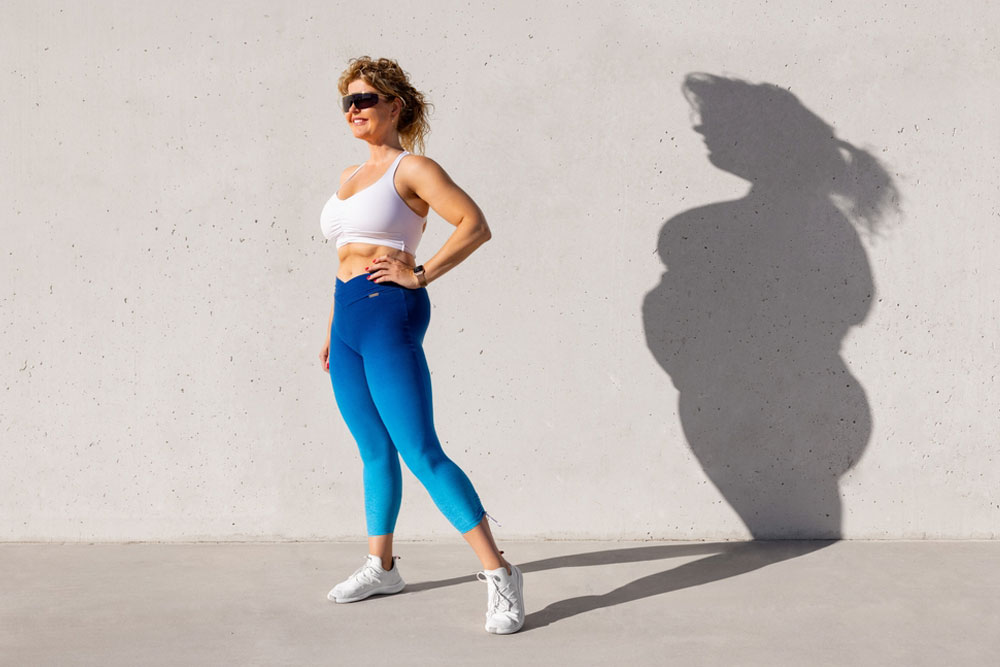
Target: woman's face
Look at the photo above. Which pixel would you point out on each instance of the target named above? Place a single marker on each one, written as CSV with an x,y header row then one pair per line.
x,y
375,123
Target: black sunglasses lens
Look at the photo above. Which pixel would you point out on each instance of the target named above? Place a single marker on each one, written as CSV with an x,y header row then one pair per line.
x,y
360,100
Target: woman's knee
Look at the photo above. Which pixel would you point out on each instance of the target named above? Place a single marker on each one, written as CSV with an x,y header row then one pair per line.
x,y
425,458
381,457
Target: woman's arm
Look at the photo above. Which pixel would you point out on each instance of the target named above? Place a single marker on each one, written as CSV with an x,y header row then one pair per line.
x,y
430,182
434,186
324,354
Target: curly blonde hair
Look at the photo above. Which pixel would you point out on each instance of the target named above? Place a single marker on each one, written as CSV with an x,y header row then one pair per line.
x,y
386,76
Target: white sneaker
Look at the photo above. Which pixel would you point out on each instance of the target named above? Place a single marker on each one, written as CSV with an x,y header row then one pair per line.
x,y
369,579
504,599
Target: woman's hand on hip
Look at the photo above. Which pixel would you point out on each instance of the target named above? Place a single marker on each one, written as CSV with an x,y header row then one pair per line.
x,y
386,269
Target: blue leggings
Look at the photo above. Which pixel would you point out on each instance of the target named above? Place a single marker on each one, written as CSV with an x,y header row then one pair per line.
x,y
383,389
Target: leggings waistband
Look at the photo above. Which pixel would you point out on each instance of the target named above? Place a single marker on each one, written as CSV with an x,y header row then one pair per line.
x,y
360,286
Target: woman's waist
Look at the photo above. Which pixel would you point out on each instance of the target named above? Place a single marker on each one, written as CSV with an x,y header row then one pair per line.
x,y
356,258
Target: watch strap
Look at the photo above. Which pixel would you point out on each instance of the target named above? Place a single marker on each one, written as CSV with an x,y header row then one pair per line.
x,y
418,271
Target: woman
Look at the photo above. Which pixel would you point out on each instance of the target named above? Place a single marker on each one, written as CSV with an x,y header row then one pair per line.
x,y
377,324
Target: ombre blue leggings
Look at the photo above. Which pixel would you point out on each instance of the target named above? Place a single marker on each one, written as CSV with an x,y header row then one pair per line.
x,y
383,389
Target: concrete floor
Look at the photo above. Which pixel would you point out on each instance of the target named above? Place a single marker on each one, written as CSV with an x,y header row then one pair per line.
x,y
618,603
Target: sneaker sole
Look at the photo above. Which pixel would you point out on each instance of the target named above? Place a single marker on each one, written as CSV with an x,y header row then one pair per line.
x,y
379,591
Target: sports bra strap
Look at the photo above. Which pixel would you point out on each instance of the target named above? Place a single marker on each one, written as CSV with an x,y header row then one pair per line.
x,y
354,172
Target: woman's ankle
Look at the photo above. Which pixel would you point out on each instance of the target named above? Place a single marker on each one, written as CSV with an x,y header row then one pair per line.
x,y
500,562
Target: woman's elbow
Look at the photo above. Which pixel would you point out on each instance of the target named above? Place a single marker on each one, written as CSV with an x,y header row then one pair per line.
x,y
483,230
476,229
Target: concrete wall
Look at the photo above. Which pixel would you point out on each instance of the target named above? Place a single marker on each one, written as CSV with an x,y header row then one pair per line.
x,y
649,346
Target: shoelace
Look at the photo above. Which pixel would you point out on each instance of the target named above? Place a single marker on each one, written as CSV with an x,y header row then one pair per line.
x,y
366,574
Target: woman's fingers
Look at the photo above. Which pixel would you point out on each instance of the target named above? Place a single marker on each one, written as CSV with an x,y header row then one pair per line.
x,y
377,272
383,271
388,269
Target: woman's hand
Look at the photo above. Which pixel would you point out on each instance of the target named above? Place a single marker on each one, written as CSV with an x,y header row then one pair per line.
x,y
324,356
389,269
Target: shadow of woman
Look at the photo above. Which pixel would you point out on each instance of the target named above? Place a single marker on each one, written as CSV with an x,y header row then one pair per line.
x,y
758,295
748,321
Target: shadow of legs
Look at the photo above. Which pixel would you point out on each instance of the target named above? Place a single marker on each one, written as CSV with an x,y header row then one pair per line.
x,y
588,558
737,558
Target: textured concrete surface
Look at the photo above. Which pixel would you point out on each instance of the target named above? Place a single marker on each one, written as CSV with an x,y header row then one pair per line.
x,y
700,295
592,603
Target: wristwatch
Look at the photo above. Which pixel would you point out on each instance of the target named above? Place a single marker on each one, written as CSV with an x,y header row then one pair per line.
x,y
418,271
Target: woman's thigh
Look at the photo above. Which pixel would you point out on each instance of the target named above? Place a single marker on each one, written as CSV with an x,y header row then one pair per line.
x,y
354,399
396,368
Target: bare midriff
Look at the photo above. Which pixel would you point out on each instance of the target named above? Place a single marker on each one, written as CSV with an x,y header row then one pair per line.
x,y
356,257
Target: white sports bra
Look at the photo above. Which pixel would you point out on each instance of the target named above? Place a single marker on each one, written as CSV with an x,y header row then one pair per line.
x,y
375,214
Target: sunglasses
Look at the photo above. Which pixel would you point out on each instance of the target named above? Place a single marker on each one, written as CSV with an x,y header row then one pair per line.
x,y
361,100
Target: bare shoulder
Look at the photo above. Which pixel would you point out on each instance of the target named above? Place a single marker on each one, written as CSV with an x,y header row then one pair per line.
x,y
414,160
421,167
423,176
